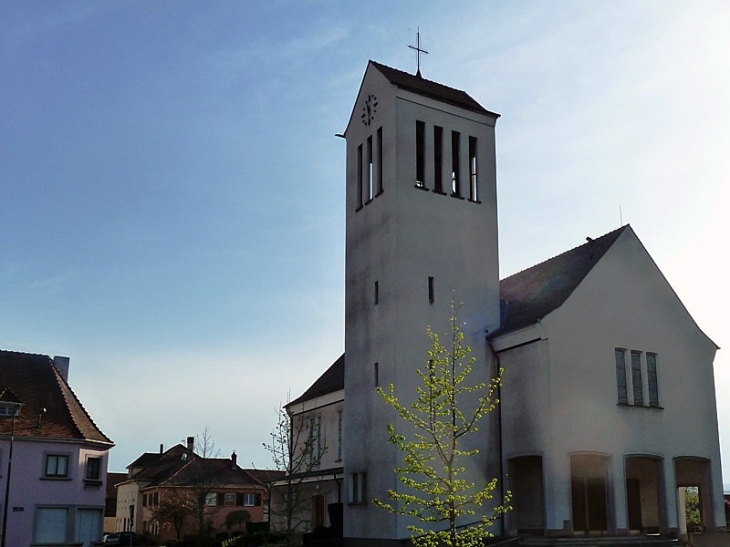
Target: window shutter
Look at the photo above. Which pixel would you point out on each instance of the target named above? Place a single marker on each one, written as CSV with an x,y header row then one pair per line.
x,y
220,499
258,499
239,499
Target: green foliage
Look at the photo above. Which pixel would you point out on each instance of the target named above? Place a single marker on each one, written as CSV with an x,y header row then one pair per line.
x,y
237,518
447,410
692,509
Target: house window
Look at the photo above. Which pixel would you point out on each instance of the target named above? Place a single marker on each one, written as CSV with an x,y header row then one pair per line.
x,y
638,389
156,499
438,148
144,500
455,174
358,487
251,499
93,468
473,194
50,525
420,154
621,376
56,465
229,499
211,499
8,410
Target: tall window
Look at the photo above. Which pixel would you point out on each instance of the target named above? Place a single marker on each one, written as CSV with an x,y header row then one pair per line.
x,y
339,435
420,154
638,389
652,377
369,168
50,525
358,487
438,166
473,194
379,160
621,376
431,295
455,175
56,465
359,176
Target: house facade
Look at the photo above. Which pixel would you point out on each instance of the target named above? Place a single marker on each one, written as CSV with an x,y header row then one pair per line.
x,y
608,404
183,477
57,474
311,495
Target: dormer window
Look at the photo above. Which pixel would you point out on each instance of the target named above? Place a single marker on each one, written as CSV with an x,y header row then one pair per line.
x,y
9,410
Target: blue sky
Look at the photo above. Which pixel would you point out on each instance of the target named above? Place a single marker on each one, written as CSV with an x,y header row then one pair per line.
x,y
172,192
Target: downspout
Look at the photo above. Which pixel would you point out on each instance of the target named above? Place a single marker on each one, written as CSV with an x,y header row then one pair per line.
x,y
500,448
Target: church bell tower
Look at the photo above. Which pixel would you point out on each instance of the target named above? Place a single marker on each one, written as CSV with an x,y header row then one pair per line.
x,y
421,232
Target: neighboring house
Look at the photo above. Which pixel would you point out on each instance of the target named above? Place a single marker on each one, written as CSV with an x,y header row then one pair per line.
x,y
608,402
59,456
318,417
181,473
110,511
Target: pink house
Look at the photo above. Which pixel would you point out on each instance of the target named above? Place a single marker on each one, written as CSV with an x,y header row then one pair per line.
x,y
53,458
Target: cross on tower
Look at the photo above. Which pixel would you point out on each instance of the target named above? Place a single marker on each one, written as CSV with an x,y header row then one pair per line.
x,y
418,49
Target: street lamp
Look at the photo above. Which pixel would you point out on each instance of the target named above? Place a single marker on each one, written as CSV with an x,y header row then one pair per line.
x,y
16,410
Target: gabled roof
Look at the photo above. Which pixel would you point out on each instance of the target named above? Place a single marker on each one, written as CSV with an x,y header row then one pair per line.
x,y
332,380
50,408
427,88
265,476
221,472
533,293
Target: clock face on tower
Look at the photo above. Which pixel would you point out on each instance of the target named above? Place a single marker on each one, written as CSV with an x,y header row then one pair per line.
x,y
369,109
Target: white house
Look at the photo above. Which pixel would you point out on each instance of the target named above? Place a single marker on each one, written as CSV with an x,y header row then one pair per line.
x,y
608,401
57,473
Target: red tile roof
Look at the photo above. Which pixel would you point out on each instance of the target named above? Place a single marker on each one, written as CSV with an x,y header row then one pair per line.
x,y
50,408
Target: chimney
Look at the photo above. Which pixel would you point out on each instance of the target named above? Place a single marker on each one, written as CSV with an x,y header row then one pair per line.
x,y
191,444
62,365
234,458
162,448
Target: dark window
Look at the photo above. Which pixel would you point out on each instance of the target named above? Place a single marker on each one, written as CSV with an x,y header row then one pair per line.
x,y
379,160
93,468
377,293
473,193
369,168
638,390
430,290
438,149
376,371
652,377
455,175
359,176
420,154
621,376
358,487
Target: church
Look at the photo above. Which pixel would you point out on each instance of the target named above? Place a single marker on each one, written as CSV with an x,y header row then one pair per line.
x,y
607,410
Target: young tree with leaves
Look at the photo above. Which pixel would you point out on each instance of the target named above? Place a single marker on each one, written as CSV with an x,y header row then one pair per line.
x,y
204,478
434,435
296,449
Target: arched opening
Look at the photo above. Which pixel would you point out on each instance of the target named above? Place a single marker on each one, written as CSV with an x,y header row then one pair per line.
x,y
589,493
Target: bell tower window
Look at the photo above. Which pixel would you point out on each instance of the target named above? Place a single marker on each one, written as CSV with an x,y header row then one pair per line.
x,y
473,182
455,175
420,154
359,177
379,160
438,145
369,168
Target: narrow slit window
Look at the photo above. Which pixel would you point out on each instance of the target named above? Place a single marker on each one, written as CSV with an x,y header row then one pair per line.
x,y
455,175
376,374
420,154
379,160
473,186
369,167
438,145
637,388
377,295
621,376
652,377
359,176
430,290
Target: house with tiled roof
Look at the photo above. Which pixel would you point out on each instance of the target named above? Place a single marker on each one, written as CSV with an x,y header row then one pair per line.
x,y
53,457
607,410
179,473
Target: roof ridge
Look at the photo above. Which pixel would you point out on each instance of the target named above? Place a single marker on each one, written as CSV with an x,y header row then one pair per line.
x,y
590,240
